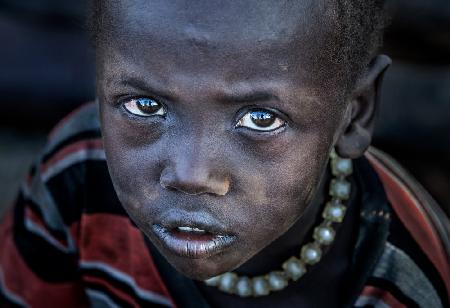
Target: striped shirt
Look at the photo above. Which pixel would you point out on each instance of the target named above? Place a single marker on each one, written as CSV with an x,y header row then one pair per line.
x,y
68,242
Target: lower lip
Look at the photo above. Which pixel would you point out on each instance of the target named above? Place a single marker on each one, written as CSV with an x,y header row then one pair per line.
x,y
193,245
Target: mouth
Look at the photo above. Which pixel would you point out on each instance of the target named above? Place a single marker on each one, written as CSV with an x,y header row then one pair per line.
x,y
193,238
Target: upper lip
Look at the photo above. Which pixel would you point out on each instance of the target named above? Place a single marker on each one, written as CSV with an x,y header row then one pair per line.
x,y
200,220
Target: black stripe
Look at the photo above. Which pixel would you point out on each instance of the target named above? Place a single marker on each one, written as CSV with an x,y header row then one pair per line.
x,y
84,187
120,285
67,191
401,238
47,262
100,194
26,202
373,232
32,171
87,134
394,290
101,289
5,302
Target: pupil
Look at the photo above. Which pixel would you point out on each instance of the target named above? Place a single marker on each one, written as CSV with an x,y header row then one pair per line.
x,y
262,118
147,105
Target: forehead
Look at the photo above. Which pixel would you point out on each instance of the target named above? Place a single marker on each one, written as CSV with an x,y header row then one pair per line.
x,y
254,20
234,39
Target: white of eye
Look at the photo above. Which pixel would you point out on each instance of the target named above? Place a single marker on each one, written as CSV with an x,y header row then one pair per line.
x,y
249,120
144,107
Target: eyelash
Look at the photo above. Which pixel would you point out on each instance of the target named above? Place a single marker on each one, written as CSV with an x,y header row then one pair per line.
x,y
246,120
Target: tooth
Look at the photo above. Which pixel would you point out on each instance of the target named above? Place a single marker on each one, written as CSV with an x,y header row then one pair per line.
x,y
185,229
190,229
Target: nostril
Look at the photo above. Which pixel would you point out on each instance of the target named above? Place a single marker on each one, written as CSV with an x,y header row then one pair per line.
x,y
168,186
171,188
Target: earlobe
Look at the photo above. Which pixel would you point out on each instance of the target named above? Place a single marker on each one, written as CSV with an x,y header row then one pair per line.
x,y
359,119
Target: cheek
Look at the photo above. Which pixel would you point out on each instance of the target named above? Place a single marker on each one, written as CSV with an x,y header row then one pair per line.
x,y
279,193
134,164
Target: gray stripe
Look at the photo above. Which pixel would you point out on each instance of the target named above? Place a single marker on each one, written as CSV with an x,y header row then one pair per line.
x,y
87,118
8,294
376,302
100,300
396,266
34,228
120,276
40,195
69,160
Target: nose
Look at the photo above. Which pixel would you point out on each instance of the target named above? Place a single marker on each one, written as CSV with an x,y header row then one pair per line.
x,y
194,175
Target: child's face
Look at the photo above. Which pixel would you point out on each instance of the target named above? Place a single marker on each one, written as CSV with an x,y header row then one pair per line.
x,y
239,110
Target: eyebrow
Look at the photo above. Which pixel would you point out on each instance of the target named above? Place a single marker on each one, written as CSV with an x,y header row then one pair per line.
x,y
244,97
143,86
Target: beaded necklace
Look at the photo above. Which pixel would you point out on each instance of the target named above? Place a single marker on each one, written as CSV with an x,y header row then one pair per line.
x,y
311,253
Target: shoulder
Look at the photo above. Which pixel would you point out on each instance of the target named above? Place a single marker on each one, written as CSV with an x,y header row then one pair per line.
x,y
412,203
413,269
69,235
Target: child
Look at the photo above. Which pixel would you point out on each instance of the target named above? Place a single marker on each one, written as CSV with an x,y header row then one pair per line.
x,y
217,123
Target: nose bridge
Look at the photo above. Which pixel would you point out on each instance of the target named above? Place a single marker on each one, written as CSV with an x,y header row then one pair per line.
x,y
193,161
196,167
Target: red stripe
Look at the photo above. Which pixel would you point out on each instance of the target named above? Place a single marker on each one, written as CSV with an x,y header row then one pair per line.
x,y
383,295
69,116
34,217
114,241
414,219
88,144
112,290
20,280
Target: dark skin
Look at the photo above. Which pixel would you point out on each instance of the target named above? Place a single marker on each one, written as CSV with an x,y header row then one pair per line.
x,y
205,66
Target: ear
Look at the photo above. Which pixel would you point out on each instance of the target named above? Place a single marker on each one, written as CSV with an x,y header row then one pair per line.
x,y
357,130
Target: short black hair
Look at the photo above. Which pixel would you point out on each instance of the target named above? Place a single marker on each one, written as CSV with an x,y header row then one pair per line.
x,y
360,35
362,27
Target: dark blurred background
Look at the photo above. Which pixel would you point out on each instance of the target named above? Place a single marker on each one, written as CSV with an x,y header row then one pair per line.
x,y
46,70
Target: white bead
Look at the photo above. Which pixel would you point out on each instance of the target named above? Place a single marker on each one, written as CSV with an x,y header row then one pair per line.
x,y
243,287
227,282
324,235
336,212
260,286
213,282
311,254
340,189
294,268
341,167
277,281
344,165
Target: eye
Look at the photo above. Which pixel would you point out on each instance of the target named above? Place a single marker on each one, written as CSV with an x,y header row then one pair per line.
x,y
261,120
144,107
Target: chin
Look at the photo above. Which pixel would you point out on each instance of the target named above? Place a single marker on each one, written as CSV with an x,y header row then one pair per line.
x,y
198,269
